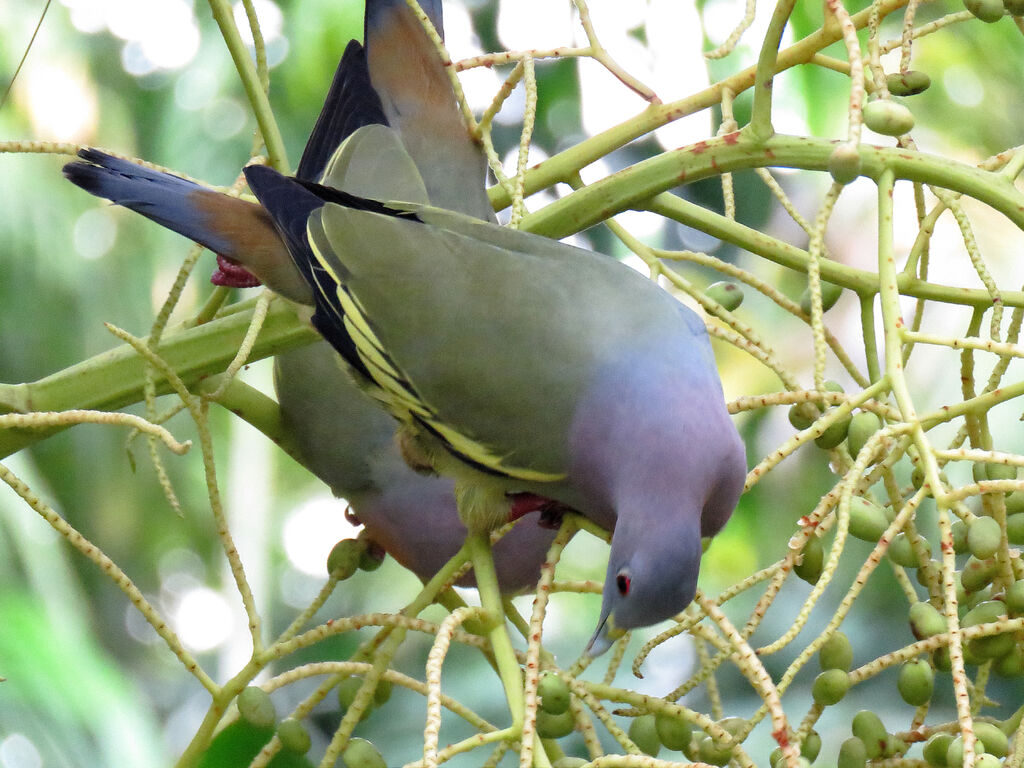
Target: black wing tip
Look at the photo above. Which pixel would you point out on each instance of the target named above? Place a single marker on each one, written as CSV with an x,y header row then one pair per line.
x,y
351,103
262,178
97,167
87,176
348,200
93,155
78,171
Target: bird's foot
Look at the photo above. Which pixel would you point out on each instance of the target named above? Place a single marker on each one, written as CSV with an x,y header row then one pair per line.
x,y
374,554
551,511
352,517
551,517
231,274
482,507
413,452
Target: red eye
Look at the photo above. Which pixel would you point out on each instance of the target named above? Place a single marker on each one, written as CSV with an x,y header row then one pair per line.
x,y
622,582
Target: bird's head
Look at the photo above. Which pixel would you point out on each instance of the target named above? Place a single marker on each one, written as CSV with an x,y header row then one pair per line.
x,y
652,575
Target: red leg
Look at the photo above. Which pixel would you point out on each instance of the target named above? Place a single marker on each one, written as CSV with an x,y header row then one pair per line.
x,y
231,274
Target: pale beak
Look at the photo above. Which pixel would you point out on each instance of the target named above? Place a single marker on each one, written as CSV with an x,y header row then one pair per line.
x,y
606,634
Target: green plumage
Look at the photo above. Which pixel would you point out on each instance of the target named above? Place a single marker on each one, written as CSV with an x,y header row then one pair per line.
x,y
477,318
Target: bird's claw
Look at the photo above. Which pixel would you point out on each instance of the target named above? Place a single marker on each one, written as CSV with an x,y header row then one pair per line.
x,y
551,511
231,274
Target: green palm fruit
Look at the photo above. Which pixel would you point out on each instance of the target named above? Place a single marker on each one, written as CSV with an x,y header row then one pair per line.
x,y
836,653
928,571
916,682
293,736
1012,664
972,659
382,692
347,690
995,740
360,753
255,707
888,118
811,746
926,621
988,11
936,747
802,415
1014,597
830,293
966,600
909,83
901,551
551,726
844,163
959,537
711,753
344,558
1000,471
852,754
673,732
371,559
1015,503
863,426
990,646
983,537
867,520
729,295
644,733
554,693
955,752
834,433
977,574
830,687
1015,527
812,557
868,727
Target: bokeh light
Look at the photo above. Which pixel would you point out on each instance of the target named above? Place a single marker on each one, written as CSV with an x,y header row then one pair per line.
x,y
61,102
312,529
18,751
202,619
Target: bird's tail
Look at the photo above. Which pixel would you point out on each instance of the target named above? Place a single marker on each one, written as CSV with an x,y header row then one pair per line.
x,y
236,229
169,200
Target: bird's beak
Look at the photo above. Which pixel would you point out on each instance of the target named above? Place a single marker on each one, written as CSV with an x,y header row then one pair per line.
x,y
606,634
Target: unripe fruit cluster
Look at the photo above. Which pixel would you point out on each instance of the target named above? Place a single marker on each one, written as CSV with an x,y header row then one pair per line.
x,y
349,688
350,555
257,710
835,658
946,750
360,753
651,732
554,717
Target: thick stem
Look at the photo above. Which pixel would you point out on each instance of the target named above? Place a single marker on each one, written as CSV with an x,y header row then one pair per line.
x,y
250,78
116,378
479,547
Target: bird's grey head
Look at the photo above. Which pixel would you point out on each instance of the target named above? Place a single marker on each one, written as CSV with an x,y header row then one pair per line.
x,y
652,575
655,454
